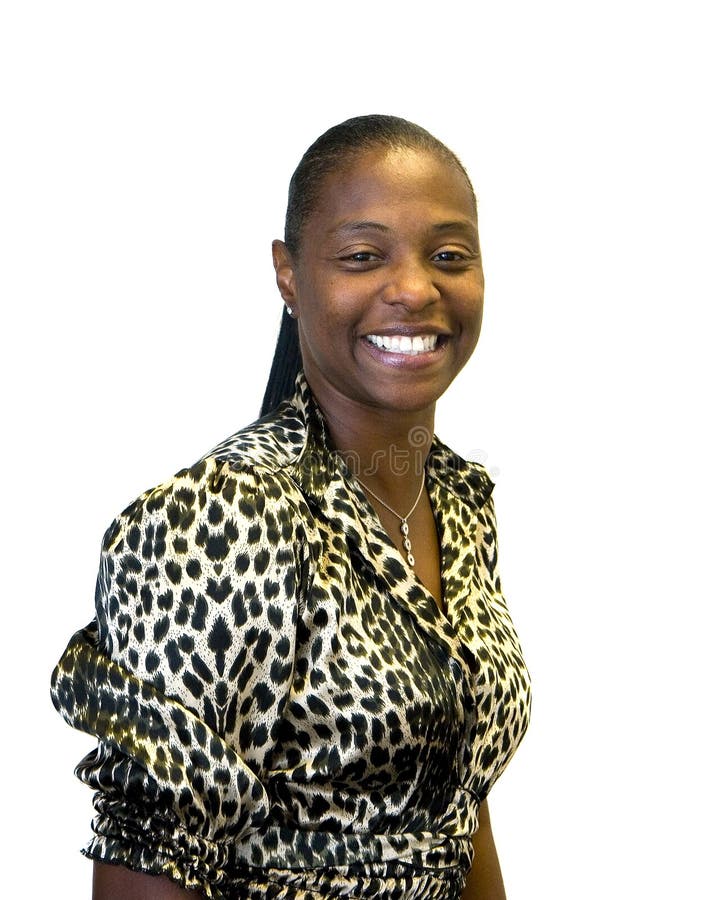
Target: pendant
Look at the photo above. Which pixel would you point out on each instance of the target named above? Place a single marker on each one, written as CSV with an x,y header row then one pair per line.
x,y
406,542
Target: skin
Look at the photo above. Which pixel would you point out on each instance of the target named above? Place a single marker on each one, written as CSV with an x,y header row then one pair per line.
x,y
485,881
118,883
392,246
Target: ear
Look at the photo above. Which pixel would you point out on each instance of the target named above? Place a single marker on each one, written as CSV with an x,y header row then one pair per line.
x,y
284,267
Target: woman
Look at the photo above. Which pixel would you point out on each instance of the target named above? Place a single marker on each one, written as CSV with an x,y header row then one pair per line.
x,y
302,673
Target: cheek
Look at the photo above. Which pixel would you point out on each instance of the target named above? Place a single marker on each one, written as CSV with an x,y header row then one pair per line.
x,y
322,298
472,308
472,316
325,324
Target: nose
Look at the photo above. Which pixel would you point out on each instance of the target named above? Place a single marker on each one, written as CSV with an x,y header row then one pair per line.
x,y
411,284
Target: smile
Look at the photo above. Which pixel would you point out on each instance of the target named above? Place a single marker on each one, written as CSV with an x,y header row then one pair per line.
x,y
409,346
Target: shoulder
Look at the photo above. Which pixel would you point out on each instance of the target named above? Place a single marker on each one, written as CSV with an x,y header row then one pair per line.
x,y
225,537
244,478
468,480
274,441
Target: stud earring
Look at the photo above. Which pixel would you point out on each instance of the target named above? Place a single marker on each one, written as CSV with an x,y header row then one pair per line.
x,y
290,311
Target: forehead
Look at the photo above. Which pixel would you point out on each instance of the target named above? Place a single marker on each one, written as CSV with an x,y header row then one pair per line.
x,y
382,182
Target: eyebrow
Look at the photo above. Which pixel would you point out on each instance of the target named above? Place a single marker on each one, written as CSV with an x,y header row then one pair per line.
x,y
354,227
463,224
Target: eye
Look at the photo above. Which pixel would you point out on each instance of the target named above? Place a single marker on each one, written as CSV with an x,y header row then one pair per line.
x,y
448,256
361,256
453,258
360,259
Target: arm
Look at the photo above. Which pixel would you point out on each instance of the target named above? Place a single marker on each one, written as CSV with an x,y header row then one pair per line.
x,y
174,779
112,882
485,881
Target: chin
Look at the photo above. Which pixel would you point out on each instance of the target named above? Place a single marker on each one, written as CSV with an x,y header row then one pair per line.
x,y
412,401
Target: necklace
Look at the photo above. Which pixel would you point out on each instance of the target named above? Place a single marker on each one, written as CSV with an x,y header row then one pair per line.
x,y
404,527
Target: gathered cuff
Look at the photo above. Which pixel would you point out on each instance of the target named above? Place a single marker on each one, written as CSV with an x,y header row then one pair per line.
x,y
153,842
152,749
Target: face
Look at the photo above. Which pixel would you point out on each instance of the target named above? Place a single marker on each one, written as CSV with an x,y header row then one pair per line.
x,y
387,285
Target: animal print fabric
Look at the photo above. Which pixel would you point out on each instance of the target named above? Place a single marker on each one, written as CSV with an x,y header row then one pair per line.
x,y
282,710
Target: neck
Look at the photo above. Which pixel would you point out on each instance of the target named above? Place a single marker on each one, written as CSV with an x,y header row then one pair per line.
x,y
386,450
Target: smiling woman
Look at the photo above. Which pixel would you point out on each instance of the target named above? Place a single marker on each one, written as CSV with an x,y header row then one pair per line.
x,y
391,256
289,702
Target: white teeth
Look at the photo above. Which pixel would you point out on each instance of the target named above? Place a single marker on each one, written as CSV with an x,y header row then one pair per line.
x,y
409,346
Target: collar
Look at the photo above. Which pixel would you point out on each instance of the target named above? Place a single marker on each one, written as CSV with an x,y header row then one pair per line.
x,y
458,491
320,468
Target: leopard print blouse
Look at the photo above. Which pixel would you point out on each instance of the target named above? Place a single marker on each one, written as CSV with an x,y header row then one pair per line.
x,y
281,708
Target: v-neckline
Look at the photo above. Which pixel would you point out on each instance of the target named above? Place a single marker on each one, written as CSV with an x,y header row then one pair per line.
x,y
325,477
442,609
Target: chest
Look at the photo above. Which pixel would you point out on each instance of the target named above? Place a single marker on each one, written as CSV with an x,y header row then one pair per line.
x,y
424,544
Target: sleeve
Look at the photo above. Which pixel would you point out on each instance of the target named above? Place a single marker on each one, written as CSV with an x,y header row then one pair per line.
x,y
184,672
503,694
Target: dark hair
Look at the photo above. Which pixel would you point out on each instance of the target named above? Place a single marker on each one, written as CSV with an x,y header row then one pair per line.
x,y
329,152
286,365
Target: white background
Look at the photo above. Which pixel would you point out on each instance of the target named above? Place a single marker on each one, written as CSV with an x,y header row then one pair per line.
x,y
146,153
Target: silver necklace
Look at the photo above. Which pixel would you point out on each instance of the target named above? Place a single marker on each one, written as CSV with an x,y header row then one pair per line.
x,y
404,527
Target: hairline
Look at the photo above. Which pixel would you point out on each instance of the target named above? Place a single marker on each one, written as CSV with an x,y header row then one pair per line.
x,y
346,157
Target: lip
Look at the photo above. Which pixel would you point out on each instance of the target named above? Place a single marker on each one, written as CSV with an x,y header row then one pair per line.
x,y
404,360
408,331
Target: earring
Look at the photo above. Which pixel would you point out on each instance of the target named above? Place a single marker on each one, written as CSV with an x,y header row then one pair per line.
x,y
290,311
